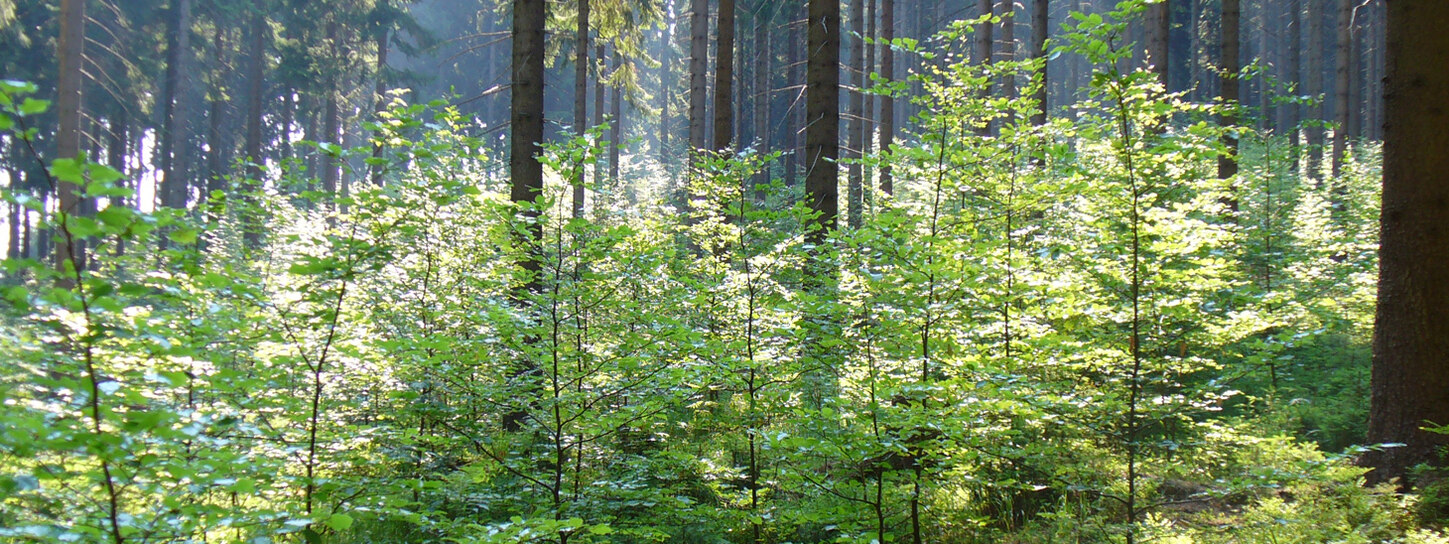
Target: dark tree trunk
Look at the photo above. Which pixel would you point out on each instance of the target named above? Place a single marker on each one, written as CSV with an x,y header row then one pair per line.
x,y
724,74
1228,162
217,160
698,57
174,187
1040,19
1291,112
822,125
1314,86
855,192
581,98
1007,45
794,120
1411,333
982,51
888,103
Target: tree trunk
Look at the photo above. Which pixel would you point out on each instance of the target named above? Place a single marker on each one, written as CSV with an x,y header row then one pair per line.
x,y
666,84
762,95
70,51
1342,85
698,56
581,98
888,103
524,168
331,122
856,194
1291,112
1228,162
251,231
1314,86
217,161
822,126
982,51
379,97
1007,52
724,76
1158,28
1411,331
1040,19
794,120
174,187
616,121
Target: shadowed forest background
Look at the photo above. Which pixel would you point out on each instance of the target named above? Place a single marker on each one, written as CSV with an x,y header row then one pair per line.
x,y
700,271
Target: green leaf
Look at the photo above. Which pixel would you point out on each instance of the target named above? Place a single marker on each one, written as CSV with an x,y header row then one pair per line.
x,y
601,529
33,106
183,236
339,522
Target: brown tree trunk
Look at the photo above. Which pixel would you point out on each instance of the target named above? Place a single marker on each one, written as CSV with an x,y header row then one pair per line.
x,y
794,80
1291,111
888,103
1007,45
822,125
1411,332
331,122
1158,29
724,74
379,97
524,167
70,51
762,94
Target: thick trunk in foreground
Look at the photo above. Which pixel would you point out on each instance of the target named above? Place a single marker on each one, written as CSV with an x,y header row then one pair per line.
x,y
698,56
1040,15
174,187
256,61
1411,331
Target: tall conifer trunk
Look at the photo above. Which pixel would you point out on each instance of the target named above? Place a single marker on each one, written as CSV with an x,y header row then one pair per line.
x,y
888,103
1410,388
724,75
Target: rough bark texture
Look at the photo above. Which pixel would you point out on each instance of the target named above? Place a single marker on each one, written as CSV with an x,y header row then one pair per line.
x,y
1007,44
822,125
762,94
698,57
1411,333
1158,28
982,49
1291,112
724,68
1228,163
70,50
888,103
527,104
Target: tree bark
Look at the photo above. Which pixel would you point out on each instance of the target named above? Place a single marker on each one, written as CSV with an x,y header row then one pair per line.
x,y
855,192
698,56
1411,333
70,51
174,187
982,51
379,96
1228,162
331,120
1342,85
888,103
1040,19
822,125
616,120
1314,86
724,68
251,230
1159,26
762,94
666,84
581,98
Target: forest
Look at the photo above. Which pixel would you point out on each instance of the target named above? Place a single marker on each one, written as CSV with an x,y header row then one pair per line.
x,y
724,271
